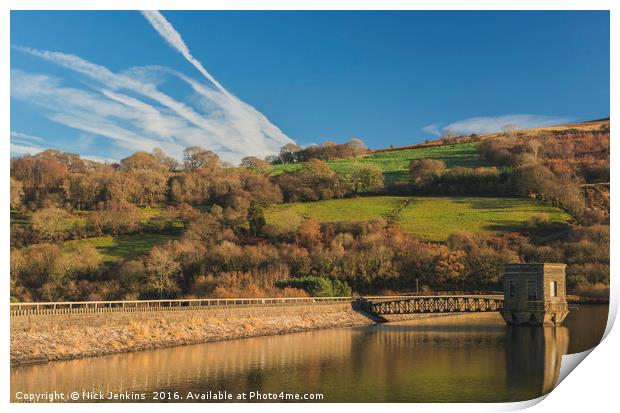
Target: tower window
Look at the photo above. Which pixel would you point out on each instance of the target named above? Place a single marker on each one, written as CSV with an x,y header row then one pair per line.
x,y
553,290
531,290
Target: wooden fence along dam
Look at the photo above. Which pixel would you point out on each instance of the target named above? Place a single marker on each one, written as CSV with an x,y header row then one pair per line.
x,y
534,294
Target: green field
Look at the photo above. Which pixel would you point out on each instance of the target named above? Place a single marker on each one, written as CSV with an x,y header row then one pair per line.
x,y
435,219
333,210
124,246
395,165
429,218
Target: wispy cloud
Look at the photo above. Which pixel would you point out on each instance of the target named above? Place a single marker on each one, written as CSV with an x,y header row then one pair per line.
x,y
433,129
20,149
81,109
244,116
107,79
129,109
27,144
491,124
174,39
23,143
24,137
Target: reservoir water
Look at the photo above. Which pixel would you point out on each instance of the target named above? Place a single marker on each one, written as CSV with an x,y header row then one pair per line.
x,y
464,358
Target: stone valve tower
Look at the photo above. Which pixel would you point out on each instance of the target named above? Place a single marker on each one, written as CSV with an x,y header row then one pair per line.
x,y
535,294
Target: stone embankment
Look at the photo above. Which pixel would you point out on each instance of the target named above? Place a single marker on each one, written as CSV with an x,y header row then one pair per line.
x,y
42,338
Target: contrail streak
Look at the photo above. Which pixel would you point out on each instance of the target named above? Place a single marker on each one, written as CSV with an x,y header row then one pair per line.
x,y
245,117
132,111
174,39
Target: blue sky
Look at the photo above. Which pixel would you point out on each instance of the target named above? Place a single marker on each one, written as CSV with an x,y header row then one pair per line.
x,y
106,84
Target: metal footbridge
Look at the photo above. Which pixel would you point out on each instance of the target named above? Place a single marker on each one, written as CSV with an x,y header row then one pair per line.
x,y
431,304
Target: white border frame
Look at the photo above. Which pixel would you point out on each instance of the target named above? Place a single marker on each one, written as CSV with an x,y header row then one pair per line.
x,y
592,387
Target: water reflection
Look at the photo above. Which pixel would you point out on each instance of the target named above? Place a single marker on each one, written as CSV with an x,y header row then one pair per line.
x,y
534,356
451,359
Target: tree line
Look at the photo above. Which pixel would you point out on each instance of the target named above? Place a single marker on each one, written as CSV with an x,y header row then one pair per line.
x,y
215,259
227,248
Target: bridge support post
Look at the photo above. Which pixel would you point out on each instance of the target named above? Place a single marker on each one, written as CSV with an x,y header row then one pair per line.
x,y
535,294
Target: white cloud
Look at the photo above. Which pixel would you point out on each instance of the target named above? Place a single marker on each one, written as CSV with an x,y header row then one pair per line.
x,y
129,109
23,143
108,79
238,119
174,39
243,116
98,158
19,149
24,137
80,109
26,144
491,124
433,129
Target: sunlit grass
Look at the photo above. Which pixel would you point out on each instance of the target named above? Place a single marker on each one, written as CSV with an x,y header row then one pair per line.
x,y
435,218
429,218
333,210
114,248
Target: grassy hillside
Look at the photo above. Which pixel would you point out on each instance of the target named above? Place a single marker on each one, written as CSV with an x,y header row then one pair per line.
x,y
395,165
435,219
429,218
334,210
112,248
395,161
124,246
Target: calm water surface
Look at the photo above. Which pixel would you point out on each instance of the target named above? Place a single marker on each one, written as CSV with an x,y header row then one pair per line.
x,y
470,358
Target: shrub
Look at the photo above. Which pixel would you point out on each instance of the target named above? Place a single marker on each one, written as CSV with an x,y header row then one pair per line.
x,y
317,286
162,273
17,194
51,223
423,171
256,218
364,178
115,217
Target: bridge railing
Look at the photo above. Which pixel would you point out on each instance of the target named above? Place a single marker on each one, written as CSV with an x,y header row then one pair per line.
x,y
430,304
77,307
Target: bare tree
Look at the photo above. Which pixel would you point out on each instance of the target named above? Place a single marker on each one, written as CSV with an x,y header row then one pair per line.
x,y
196,157
510,129
288,151
534,146
447,136
170,163
358,146
272,159
254,163
17,194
